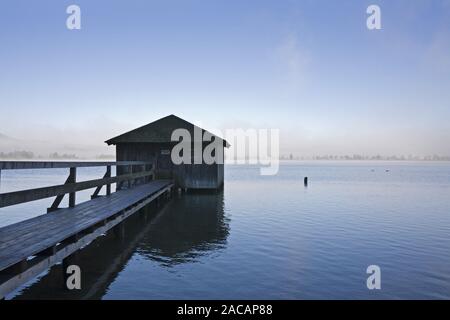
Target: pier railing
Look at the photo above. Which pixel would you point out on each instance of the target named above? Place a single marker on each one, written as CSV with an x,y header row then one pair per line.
x,y
136,172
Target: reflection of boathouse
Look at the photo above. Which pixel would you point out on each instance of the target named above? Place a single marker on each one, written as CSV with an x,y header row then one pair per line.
x,y
180,231
192,225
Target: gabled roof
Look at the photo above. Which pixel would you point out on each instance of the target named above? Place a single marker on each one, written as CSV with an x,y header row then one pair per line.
x,y
159,131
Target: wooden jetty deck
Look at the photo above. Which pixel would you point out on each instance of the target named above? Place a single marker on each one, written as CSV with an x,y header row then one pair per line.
x,y
29,247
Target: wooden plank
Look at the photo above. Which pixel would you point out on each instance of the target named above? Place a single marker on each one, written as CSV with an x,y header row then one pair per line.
x,y
17,253
18,165
43,264
25,251
37,222
46,223
12,229
67,222
17,197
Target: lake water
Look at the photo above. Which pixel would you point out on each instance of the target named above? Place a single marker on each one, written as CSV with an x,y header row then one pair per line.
x,y
269,237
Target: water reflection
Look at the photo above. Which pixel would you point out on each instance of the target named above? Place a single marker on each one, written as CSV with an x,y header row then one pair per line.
x,y
178,231
192,226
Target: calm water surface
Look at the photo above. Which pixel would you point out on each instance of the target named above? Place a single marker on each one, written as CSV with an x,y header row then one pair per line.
x,y
269,237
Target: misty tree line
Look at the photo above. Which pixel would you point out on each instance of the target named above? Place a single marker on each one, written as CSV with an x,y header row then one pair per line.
x,y
28,155
366,157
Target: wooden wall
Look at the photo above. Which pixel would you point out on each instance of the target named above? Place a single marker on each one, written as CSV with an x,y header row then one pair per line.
x,y
190,176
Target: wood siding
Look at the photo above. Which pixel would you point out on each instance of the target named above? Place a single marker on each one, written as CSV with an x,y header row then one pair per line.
x,y
190,176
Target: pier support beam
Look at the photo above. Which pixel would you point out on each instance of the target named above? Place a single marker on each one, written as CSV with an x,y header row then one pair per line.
x,y
119,231
48,252
17,268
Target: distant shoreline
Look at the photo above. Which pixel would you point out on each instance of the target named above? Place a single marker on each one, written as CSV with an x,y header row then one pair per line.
x,y
230,162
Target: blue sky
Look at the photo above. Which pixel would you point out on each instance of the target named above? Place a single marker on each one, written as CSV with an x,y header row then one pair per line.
x,y
310,68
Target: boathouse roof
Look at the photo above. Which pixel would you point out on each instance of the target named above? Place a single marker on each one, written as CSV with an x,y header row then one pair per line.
x,y
159,131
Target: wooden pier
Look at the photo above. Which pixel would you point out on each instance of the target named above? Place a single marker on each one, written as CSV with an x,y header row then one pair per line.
x,y
29,247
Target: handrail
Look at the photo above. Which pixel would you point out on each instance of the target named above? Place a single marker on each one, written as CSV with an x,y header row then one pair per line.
x,y
16,165
132,176
17,197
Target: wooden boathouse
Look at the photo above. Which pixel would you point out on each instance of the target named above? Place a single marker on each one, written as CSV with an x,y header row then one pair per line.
x,y
153,143
144,174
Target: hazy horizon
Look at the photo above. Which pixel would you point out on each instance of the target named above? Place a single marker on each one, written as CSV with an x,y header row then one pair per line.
x,y
309,68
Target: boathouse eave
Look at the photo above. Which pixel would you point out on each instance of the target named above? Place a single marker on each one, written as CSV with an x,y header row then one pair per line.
x,y
159,131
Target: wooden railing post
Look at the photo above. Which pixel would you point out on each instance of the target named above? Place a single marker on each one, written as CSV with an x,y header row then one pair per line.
x,y
119,184
72,179
108,175
108,186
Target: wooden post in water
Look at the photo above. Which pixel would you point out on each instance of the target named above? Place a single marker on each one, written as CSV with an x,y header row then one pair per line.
x,y
305,181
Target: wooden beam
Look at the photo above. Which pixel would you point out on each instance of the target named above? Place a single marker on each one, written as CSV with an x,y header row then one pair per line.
x,y
57,202
72,179
130,182
18,165
108,186
17,268
47,252
108,175
17,197
97,190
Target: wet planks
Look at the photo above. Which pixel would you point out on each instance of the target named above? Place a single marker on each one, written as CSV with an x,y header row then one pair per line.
x,y
30,237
